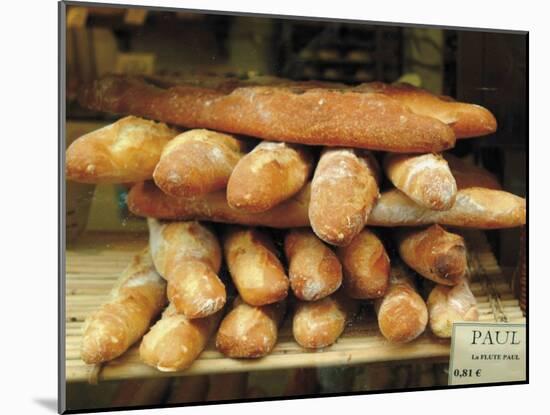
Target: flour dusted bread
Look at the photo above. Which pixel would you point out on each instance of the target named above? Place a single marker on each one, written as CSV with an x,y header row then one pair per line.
x,y
466,120
175,342
318,324
366,266
249,331
188,256
314,269
197,162
137,298
402,313
343,191
269,174
448,305
313,113
125,151
146,199
434,253
255,269
474,207
425,178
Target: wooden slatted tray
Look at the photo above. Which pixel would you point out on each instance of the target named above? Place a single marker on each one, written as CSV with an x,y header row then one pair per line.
x,y
95,262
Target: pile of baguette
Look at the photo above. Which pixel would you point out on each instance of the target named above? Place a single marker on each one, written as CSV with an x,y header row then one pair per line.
x,y
323,162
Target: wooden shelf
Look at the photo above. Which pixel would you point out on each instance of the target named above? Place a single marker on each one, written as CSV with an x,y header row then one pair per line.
x,y
93,265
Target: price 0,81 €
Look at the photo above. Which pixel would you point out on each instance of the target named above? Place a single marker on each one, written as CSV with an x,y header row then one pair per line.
x,y
466,373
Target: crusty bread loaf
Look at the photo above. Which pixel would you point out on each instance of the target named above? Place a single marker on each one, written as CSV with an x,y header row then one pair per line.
x,y
343,191
254,267
448,305
269,174
434,253
313,269
125,151
146,199
466,120
248,331
175,342
425,178
318,324
137,298
366,266
311,113
474,208
402,313
188,256
197,162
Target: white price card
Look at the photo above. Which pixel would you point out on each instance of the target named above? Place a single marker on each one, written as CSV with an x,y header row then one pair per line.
x,y
488,353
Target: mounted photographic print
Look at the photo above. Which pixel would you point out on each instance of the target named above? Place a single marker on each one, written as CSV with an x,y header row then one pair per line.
x,y
264,207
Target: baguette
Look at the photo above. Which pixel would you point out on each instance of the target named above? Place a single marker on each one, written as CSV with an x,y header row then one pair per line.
x,y
125,151
434,253
188,256
318,324
147,200
269,174
135,301
310,113
197,162
175,342
402,313
425,178
343,191
474,208
466,120
314,270
447,305
248,331
255,269
366,267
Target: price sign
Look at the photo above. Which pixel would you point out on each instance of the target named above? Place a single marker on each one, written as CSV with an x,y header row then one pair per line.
x,y
487,353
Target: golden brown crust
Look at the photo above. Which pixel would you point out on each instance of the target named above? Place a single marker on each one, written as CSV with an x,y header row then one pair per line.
x,y
125,151
175,342
366,267
269,174
197,162
402,313
425,178
314,270
147,200
343,191
474,208
466,120
188,256
434,253
248,331
254,267
137,298
448,305
318,324
278,110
